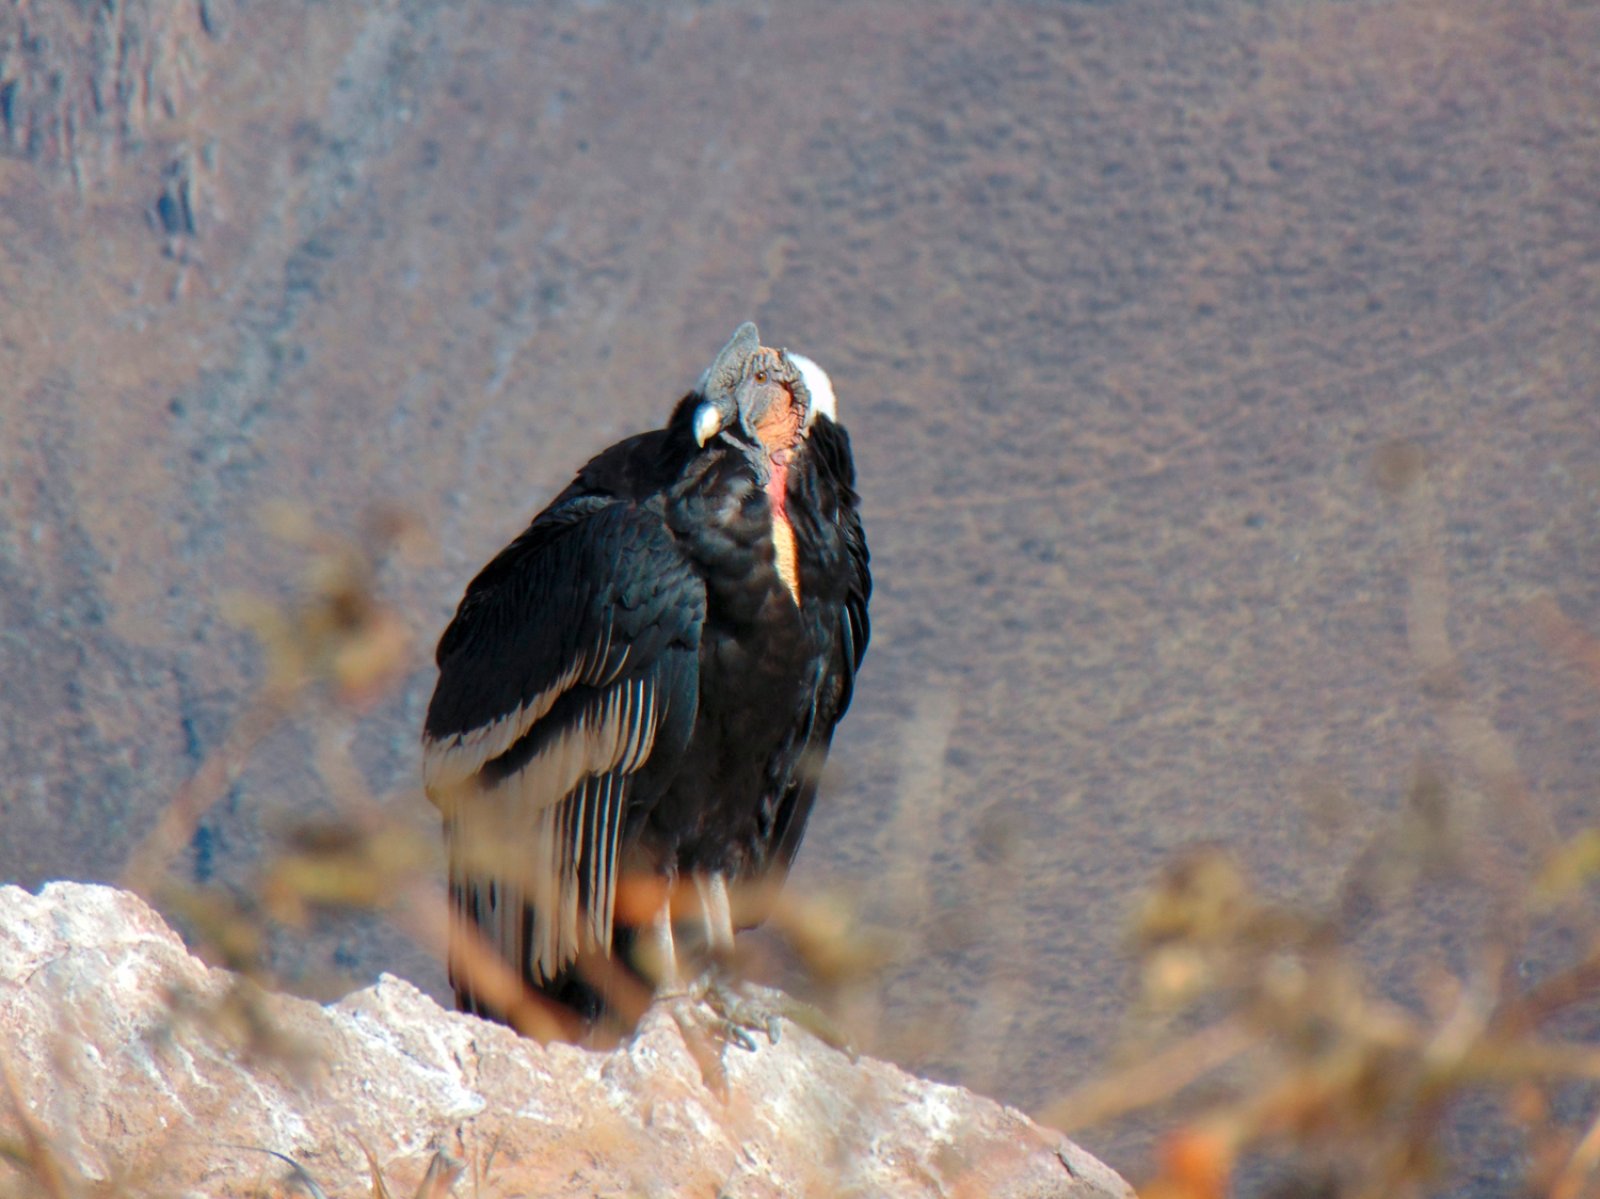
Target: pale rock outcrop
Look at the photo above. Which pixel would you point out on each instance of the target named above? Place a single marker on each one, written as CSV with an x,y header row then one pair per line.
x,y
138,1064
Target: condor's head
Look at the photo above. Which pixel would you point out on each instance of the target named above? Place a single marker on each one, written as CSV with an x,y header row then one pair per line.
x,y
762,399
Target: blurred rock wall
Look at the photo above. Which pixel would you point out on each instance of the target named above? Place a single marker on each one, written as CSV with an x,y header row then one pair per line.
x,y
1120,300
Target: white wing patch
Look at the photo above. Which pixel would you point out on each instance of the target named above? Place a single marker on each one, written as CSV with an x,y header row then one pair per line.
x,y
819,385
448,763
527,840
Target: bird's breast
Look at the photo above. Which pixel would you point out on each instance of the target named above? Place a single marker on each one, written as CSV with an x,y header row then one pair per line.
x,y
736,528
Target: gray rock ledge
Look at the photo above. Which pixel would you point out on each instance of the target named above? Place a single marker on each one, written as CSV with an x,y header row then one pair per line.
x,y
136,1067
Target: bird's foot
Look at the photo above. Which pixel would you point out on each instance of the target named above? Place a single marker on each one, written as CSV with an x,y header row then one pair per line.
x,y
763,1008
713,1018
721,1014
741,1015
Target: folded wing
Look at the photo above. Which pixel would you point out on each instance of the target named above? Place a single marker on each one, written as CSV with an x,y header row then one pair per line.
x,y
571,667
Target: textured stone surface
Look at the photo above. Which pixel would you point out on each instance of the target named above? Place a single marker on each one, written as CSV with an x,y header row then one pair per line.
x,y
117,1042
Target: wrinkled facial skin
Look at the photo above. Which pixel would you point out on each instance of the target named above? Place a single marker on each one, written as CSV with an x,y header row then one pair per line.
x,y
766,394
771,401
758,388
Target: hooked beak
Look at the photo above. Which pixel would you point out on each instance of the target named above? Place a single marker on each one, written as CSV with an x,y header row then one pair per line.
x,y
708,422
713,416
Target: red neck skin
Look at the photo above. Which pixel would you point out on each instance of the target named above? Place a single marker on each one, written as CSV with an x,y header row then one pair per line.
x,y
778,483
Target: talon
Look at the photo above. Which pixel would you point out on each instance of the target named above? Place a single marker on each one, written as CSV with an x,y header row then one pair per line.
x,y
696,1039
747,1015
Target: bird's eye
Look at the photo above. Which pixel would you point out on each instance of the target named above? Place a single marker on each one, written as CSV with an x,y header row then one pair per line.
x,y
761,376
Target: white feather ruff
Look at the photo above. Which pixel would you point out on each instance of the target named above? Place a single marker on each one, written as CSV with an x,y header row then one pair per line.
x,y
820,387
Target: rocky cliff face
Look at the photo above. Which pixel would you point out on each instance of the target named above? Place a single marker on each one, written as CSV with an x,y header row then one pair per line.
x,y
1121,300
132,1062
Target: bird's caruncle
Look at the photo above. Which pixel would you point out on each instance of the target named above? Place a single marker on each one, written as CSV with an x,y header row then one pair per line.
x,y
636,695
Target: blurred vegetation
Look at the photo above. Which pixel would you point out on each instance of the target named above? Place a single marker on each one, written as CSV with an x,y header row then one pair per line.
x,y
1274,1049
1275,1055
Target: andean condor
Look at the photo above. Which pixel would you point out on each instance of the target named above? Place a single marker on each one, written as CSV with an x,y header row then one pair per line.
x,y
644,684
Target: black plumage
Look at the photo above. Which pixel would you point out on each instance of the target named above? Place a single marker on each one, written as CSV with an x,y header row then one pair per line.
x,y
644,684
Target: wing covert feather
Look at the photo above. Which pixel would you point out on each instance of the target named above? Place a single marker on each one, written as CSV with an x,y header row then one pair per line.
x,y
591,591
